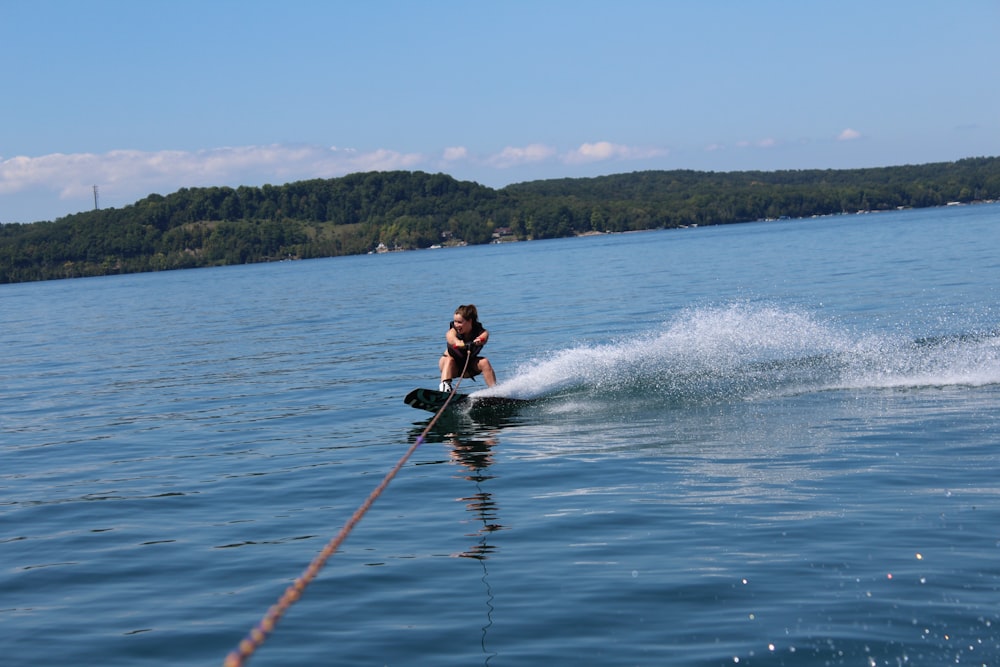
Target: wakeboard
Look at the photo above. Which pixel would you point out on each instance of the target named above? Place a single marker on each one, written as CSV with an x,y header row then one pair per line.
x,y
432,400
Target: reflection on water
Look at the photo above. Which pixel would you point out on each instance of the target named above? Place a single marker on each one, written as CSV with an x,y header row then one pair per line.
x,y
476,455
472,448
472,444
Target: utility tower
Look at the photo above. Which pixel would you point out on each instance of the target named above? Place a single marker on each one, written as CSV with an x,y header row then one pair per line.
x,y
96,207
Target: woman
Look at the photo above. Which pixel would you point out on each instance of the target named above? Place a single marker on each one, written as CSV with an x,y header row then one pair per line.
x,y
465,337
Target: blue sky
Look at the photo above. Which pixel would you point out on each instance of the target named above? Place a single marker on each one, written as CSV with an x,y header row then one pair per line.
x,y
148,96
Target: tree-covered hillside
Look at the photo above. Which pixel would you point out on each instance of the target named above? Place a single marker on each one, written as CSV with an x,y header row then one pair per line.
x,y
675,198
404,210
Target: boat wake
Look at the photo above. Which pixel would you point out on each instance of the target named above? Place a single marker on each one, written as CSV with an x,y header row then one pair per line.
x,y
745,351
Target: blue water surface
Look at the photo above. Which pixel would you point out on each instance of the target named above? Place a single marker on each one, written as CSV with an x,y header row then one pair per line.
x,y
756,444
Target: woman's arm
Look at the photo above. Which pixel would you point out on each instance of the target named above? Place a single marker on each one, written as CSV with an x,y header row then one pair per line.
x,y
452,339
457,343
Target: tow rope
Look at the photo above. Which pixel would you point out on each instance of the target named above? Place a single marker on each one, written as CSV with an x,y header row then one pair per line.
x,y
255,638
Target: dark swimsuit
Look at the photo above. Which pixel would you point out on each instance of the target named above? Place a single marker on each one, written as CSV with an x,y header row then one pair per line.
x,y
459,355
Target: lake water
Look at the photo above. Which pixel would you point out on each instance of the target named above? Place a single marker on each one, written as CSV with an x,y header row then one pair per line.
x,y
760,444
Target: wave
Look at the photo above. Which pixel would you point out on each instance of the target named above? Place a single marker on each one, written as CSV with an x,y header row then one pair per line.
x,y
749,351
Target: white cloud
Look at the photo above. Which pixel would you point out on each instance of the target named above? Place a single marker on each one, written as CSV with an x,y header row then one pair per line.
x,y
132,173
767,142
127,175
600,150
454,153
380,160
848,135
605,150
512,156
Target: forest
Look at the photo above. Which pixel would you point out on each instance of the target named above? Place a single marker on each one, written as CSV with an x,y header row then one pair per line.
x,y
401,210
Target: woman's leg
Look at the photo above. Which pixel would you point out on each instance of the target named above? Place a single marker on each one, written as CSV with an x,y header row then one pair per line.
x,y
487,370
447,366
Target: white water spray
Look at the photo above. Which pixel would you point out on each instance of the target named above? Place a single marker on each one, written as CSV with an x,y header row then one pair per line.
x,y
753,350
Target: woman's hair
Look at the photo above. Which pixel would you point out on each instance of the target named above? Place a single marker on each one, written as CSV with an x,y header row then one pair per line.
x,y
468,313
